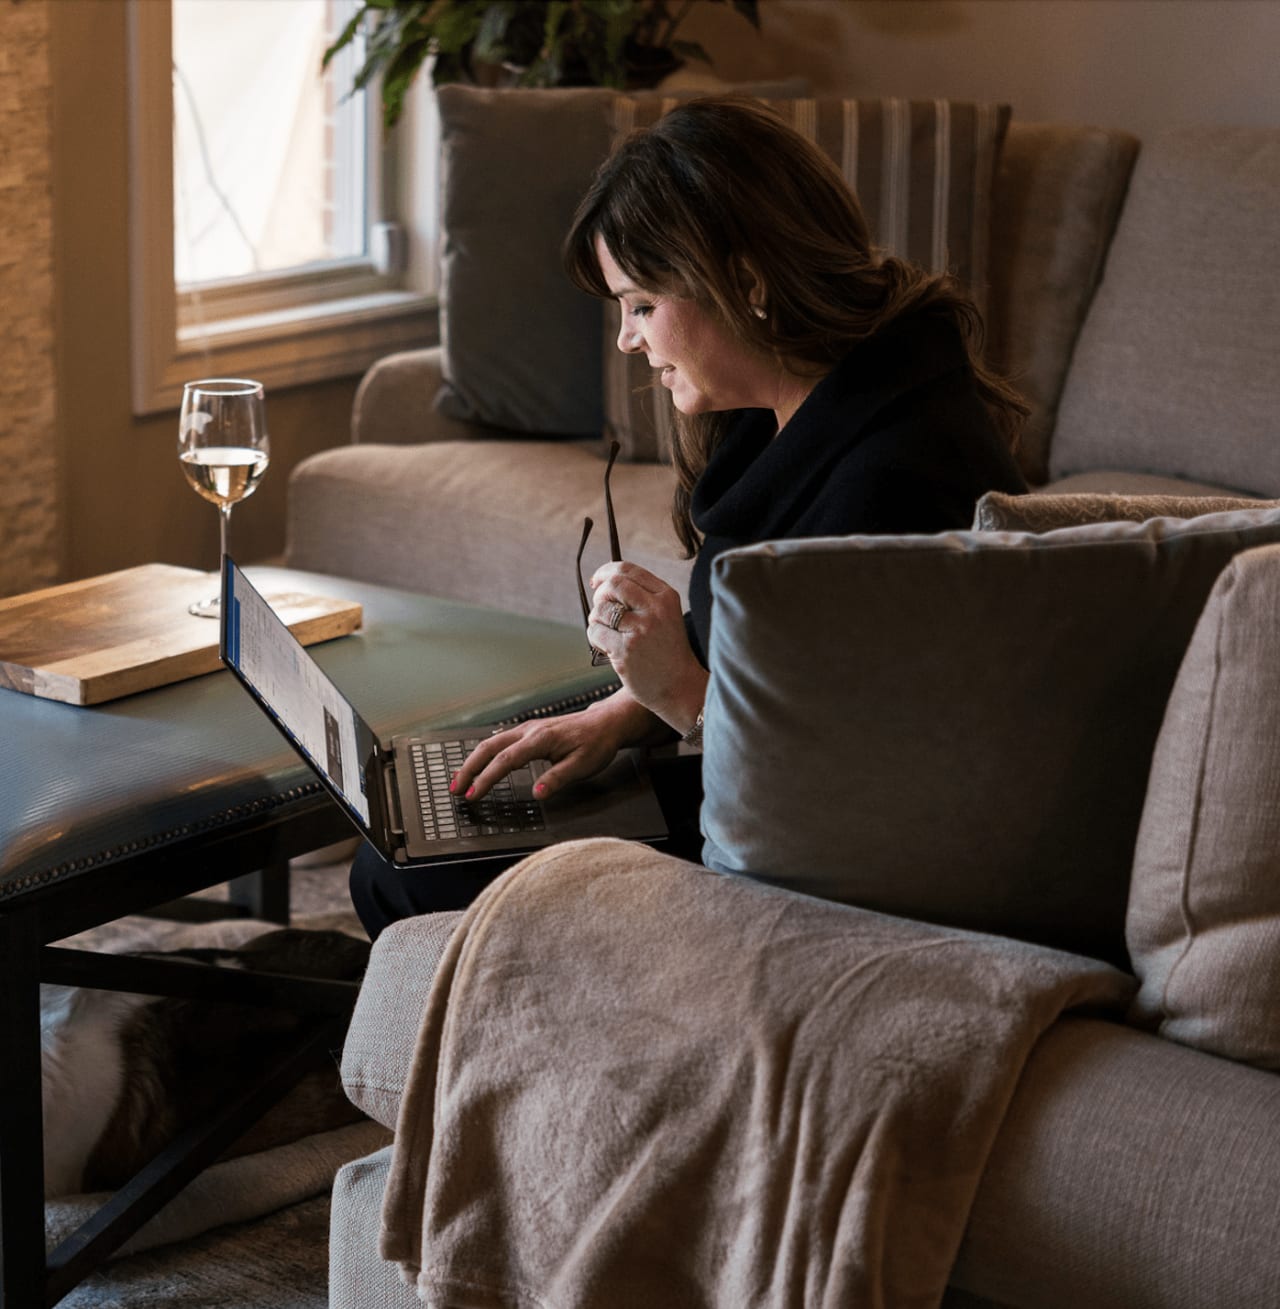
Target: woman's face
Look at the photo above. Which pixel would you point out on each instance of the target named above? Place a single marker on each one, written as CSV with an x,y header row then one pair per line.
x,y
700,362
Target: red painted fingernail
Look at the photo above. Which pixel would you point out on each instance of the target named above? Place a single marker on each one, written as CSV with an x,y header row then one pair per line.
x,y
453,785
539,788
471,790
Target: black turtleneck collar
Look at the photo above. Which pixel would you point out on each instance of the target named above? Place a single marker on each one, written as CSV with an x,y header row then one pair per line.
x,y
834,416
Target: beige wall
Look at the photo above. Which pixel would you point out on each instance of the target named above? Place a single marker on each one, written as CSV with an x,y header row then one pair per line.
x,y
1136,64
29,518
115,496
125,502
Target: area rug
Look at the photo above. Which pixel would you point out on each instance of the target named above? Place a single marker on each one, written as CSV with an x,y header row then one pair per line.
x,y
278,1262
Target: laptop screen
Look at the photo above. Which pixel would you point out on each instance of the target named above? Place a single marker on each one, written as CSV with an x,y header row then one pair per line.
x,y
313,713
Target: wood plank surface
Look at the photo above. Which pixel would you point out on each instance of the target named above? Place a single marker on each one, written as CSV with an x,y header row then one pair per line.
x,y
105,637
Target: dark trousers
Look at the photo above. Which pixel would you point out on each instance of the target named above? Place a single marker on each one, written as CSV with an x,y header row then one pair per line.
x,y
383,892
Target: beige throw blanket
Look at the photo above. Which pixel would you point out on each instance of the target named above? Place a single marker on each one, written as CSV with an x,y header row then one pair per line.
x,y
641,1084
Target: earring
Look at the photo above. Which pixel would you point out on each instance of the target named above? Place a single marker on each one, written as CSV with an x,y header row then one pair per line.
x,y
758,310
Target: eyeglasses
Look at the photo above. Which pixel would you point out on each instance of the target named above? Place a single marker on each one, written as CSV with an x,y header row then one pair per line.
x,y
599,657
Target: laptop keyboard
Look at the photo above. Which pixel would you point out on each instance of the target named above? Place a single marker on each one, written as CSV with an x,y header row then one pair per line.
x,y
508,809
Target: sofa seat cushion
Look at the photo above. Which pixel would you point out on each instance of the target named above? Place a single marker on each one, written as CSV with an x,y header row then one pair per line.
x,y
954,727
1175,369
485,521
1129,1173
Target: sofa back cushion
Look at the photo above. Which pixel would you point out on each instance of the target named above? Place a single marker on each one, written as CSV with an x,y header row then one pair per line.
x,y
1058,192
1204,908
1175,369
923,172
517,336
954,727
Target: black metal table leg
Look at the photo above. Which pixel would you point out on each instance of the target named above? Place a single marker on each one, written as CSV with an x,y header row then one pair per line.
x,y
264,894
22,1260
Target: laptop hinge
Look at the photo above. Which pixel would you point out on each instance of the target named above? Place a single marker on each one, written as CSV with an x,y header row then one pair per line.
x,y
395,816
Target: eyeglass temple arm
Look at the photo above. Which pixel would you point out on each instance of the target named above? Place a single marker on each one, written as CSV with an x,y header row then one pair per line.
x,y
582,590
615,550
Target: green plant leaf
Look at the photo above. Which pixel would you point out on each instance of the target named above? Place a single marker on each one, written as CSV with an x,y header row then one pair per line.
x,y
345,37
553,42
455,26
398,78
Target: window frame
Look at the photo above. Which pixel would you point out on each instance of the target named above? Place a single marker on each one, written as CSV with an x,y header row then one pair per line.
x,y
329,321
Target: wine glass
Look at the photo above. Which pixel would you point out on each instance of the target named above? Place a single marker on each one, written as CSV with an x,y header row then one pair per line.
x,y
223,449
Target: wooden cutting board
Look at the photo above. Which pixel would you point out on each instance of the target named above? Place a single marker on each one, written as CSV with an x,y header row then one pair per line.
x,y
106,637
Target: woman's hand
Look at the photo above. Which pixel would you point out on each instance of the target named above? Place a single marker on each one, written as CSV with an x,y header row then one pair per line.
x,y
578,746
646,642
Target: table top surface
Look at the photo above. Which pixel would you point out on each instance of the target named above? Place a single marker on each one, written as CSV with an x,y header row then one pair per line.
x,y
81,786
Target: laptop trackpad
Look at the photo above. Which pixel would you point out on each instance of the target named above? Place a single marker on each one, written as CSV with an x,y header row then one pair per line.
x,y
617,801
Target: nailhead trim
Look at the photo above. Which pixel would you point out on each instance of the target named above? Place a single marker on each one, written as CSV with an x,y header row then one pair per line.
x,y
568,704
45,876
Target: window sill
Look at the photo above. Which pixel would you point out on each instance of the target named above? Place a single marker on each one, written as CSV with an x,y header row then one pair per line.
x,y
280,348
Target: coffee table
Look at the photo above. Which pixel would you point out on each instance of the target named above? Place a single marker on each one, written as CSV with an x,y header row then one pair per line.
x,y
113,810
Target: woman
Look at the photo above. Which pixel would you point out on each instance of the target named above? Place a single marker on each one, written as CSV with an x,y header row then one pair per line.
x,y
819,389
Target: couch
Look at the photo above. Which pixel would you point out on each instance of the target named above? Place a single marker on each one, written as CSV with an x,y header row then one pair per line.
x,y
1063,727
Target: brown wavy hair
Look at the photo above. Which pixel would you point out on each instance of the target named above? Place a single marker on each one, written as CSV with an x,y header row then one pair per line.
x,y
720,185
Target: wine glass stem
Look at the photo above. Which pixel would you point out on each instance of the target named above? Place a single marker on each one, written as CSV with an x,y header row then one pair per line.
x,y
224,517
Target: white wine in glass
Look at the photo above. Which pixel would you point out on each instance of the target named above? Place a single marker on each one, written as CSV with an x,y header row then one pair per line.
x,y
223,449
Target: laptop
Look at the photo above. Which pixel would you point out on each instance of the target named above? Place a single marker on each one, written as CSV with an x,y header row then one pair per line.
x,y
396,792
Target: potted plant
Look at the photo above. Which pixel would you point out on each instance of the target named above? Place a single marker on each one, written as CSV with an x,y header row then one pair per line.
x,y
618,43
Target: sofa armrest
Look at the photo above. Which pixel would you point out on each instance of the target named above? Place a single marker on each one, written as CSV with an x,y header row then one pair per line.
x,y
394,403
384,1026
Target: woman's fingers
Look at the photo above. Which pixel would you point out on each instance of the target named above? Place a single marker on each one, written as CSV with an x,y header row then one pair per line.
x,y
620,591
572,748
627,572
572,768
489,762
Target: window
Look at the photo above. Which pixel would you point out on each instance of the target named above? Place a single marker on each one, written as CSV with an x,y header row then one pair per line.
x,y
274,234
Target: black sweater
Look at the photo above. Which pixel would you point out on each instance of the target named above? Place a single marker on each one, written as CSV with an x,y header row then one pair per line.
x,y
894,440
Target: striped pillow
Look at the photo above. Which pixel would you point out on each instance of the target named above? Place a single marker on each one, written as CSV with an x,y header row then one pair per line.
x,y
923,172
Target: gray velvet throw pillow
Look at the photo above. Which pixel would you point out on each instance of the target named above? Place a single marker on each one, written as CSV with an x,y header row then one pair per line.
x,y
956,727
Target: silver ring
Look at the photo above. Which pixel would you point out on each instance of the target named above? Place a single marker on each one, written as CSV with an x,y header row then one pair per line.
x,y
617,609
